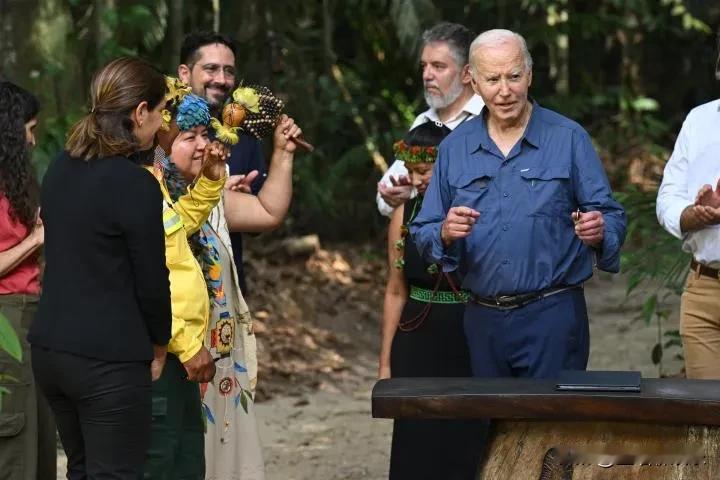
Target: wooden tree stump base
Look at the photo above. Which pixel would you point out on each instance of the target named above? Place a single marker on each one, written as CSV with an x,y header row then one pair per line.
x,y
670,430
626,451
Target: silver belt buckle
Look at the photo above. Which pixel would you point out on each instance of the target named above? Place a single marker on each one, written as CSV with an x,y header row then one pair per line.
x,y
502,299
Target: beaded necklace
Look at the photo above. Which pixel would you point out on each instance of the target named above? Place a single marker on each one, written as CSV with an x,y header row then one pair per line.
x,y
404,231
399,262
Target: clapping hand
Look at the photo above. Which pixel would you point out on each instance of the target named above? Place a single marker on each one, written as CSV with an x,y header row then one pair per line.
x,y
241,183
708,197
707,204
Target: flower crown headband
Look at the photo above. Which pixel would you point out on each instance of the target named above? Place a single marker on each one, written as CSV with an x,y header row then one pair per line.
x,y
413,153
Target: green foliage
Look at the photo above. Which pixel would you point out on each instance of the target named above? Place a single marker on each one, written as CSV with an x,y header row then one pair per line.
x,y
653,254
8,339
3,391
348,72
652,258
10,343
627,70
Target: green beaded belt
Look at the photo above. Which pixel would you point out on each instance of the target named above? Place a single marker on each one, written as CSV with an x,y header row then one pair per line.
x,y
428,296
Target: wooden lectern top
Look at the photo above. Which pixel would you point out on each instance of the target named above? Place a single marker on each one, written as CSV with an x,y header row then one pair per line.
x,y
660,401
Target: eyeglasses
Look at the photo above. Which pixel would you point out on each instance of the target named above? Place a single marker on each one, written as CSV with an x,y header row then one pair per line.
x,y
214,69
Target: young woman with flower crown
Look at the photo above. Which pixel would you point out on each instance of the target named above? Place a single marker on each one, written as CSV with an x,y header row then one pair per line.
x,y
422,332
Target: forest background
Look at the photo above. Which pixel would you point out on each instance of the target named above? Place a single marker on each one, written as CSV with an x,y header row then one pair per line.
x,y
627,70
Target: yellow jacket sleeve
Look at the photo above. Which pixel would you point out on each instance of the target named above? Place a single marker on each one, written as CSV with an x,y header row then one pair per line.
x,y
195,206
187,338
188,291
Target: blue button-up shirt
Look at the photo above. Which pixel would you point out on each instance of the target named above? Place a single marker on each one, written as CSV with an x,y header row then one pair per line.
x,y
524,239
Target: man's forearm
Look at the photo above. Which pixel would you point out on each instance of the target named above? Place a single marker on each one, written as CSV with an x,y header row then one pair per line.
x,y
689,222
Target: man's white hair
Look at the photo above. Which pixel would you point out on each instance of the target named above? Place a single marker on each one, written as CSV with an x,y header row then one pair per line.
x,y
496,37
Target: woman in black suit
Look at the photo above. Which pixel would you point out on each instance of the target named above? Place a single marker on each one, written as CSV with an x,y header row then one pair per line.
x,y
103,322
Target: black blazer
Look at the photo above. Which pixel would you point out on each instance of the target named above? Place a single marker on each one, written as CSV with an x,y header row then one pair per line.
x,y
106,289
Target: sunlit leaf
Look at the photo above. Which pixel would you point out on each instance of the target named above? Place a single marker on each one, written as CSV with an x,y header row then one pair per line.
x,y
649,308
9,340
645,104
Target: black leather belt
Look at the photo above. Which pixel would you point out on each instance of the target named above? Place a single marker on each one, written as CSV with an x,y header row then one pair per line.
x,y
509,302
705,270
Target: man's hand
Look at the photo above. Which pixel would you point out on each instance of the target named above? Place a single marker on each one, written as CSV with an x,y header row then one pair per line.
x,y
589,227
383,371
158,362
241,183
285,132
458,224
398,193
708,197
706,209
706,215
201,367
214,157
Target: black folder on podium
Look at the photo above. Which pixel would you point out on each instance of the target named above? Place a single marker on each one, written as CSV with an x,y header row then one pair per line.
x,y
598,381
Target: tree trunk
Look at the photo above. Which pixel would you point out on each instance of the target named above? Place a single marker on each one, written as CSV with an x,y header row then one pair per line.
x,y
601,451
557,16
174,36
16,22
102,31
330,56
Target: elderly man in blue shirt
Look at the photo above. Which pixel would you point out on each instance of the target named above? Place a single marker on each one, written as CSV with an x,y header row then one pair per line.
x,y
520,207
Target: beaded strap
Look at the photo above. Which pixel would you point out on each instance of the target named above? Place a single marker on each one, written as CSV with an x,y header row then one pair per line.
x,y
428,296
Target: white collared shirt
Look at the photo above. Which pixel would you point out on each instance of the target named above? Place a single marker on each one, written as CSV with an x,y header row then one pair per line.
x,y
471,109
695,162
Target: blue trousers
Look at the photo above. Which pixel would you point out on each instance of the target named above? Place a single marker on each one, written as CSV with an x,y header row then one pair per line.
x,y
537,340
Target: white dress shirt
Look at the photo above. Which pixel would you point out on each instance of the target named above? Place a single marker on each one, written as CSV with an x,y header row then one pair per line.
x,y
471,109
695,161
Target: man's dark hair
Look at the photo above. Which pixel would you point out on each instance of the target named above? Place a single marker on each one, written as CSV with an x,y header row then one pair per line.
x,y
196,40
457,36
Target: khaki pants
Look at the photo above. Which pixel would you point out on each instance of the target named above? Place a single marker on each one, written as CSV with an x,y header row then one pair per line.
x,y
28,447
700,326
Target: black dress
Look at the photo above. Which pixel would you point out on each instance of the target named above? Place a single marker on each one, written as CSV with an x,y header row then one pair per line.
x,y
431,343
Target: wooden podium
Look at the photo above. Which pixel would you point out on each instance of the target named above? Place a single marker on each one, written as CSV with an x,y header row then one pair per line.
x,y
670,430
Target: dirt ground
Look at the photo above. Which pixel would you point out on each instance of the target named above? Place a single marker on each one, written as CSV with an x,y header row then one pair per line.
x,y
317,323
329,434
